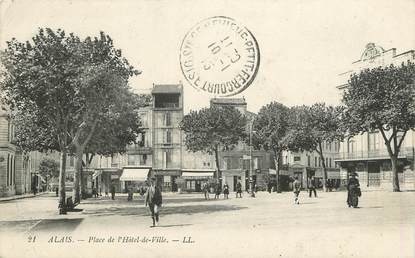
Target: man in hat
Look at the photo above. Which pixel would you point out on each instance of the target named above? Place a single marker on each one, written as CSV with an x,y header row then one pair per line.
x,y
352,186
153,199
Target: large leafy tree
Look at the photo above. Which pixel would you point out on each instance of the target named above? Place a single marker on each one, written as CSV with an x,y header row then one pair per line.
x,y
117,129
270,128
66,85
311,127
382,100
214,129
49,168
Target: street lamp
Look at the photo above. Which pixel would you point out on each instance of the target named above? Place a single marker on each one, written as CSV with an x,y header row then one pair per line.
x,y
251,180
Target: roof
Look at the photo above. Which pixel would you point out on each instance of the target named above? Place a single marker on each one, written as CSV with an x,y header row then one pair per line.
x,y
231,101
166,88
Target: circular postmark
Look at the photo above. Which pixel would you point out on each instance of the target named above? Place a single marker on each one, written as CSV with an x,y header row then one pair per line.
x,y
219,56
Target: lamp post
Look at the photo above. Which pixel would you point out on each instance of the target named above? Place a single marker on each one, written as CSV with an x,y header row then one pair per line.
x,y
251,180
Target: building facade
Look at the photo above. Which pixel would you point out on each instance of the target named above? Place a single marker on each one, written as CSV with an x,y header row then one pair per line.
x,y
366,153
167,113
306,164
238,164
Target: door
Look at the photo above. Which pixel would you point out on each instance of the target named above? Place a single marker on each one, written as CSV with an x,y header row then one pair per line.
x,y
373,175
235,181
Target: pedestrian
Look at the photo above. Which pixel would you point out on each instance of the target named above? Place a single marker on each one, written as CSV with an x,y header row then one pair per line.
x,y
312,187
226,191
130,194
113,192
205,190
296,190
353,190
57,191
269,187
218,190
154,201
239,189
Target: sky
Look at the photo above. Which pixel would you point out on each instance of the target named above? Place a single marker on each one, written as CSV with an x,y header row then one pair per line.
x,y
304,45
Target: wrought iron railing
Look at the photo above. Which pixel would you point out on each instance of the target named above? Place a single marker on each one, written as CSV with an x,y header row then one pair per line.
x,y
406,152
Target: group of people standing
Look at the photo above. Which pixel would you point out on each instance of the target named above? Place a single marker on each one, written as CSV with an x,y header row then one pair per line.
x,y
353,189
217,189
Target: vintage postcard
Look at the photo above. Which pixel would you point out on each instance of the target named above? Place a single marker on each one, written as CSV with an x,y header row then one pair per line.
x,y
222,128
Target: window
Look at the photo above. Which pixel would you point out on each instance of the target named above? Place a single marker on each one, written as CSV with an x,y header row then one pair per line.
x,y
373,141
167,158
167,119
257,163
168,137
315,161
297,158
71,161
309,161
319,162
142,139
330,161
327,162
143,159
350,146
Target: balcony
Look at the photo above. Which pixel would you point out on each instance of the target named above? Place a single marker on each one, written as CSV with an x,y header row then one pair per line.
x,y
139,149
407,153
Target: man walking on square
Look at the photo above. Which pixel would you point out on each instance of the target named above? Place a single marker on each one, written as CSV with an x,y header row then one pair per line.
x,y
154,201
239,190
312,187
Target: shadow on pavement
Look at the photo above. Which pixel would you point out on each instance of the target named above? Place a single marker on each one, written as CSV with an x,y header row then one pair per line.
x,y
53,225
143,211
176,225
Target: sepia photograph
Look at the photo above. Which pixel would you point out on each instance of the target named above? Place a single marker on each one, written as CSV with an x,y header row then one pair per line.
x,y
221,128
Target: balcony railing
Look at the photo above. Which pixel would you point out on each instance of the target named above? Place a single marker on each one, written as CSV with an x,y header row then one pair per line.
x,y
407,152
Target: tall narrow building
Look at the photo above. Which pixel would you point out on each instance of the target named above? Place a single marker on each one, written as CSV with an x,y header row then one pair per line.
x,y
167,114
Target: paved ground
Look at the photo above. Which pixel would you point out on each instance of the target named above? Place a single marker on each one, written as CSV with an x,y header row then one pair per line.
x,y
267,226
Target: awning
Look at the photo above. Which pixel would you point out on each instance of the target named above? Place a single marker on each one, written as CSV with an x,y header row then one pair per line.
x,y
134,174
191,175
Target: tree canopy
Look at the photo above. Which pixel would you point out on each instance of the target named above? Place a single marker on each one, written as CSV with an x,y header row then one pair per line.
x,y
313,126
270,128
382,100
213,129
66,86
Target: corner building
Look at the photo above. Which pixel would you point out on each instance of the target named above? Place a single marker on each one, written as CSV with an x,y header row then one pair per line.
x,y
366,154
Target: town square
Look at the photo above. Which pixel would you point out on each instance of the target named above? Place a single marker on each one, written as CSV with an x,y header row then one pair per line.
x,y
198,129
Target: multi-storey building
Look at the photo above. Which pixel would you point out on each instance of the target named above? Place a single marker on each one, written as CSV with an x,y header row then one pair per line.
x,y
18,172
307,164
235,164
167,113
366,153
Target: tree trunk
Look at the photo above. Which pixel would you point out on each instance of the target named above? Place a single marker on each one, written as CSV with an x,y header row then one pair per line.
x,y
62,179
77,174
395,177
218,171
323,163
277,159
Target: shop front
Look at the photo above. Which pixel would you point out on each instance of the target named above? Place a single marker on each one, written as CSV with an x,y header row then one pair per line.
x,y
192,180
134,177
